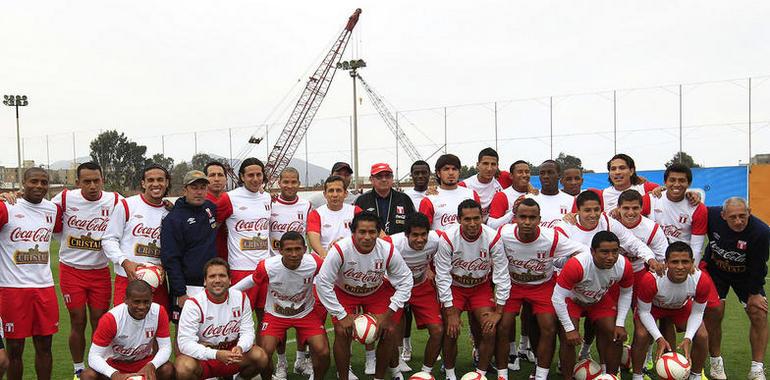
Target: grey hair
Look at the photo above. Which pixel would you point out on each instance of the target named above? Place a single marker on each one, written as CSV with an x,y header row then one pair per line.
x,y
289,170
739,200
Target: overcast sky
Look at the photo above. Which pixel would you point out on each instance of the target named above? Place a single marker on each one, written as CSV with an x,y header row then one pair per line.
x,y
174,67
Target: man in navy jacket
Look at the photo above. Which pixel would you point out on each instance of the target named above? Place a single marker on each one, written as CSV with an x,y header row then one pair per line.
x,y
188,240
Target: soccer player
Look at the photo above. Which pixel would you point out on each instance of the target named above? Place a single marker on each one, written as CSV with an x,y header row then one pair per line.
x,y
216,331
290,301
647,231
353,276
468,255
484,182
245,211
331,221
342,170
572,181
554,204
598,286
441,208
501,209
681,221
123,342
736,257
622,176
531,251
420,173
215,171
390,205
418,245
132,238
28,304
680,295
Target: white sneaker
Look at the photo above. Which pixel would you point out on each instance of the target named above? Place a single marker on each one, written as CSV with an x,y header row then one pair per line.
x,y
369,368
280,371
299,366
527,355
717,371
515,364
307,366
351,375
406,354
757,374
403,367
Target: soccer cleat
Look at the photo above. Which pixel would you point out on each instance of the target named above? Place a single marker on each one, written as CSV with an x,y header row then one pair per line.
x,y
403,367
369,367
280,371
406,354
513,363
351,375
757,374
527,355
299,367
77,374
717,371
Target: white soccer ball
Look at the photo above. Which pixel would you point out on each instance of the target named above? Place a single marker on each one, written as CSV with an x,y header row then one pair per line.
x,y
606,376
421,376
473,376
365,329
672,366
151,274
625,357
587,369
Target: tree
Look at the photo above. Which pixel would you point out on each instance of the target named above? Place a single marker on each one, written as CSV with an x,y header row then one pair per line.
x,y
121,159
569,161
160,159
200,160
683,158
466,171
177,175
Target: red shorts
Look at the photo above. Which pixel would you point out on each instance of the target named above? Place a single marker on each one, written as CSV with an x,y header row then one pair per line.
x,y
130,367
637,280
29,312
467,299
159,296
539,296
678,316
215,368
80,287
424,305
256,295
306,327
606,307
375,303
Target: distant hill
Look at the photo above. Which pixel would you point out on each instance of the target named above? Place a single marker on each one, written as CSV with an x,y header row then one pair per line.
x,y
65,164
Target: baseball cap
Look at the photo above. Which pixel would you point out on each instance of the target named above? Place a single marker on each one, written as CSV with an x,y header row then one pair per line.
x,y
193,176
341,165
380,167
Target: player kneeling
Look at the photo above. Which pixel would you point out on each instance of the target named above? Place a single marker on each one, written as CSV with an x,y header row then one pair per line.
x,y
123,341
290,302
217,317
679,296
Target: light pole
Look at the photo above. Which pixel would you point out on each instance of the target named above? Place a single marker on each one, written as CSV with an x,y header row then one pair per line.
x,y
17,101
353,65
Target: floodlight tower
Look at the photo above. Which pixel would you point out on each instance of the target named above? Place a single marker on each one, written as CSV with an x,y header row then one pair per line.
x,y
353,65
17,101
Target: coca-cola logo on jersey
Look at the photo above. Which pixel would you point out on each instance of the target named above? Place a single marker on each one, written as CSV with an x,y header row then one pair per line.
x,y
260,224
39,235
448,219
296,225
672,231
98,224
532,265
368,276
295,298
140,230
474,265
142,350
232,327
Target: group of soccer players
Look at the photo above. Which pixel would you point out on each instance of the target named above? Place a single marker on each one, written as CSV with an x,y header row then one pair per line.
x,y
490,245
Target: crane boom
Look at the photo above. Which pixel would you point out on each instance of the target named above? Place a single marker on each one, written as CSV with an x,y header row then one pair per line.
x,y
390,121
309,101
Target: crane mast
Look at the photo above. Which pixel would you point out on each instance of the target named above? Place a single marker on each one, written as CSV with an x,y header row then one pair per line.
x,y
309,101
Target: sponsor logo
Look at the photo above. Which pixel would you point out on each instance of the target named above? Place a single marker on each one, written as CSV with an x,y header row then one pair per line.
x,y
140,351
147,250
84,242
231,327
191,220
98,224
261,224
140,230
296,225
256,243
448,219
31,256
40,235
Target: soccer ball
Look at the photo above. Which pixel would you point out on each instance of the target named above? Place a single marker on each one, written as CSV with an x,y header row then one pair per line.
x,y
606,376
365,329
587,369
672,366
421,376
625,357
473,376
151,274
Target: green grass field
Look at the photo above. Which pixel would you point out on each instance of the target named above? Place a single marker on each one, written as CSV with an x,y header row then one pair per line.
x,y
735,346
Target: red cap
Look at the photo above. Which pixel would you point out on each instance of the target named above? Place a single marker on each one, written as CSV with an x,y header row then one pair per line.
x,y
381,167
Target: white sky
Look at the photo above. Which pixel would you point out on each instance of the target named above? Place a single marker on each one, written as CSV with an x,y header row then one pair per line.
x,y
173,67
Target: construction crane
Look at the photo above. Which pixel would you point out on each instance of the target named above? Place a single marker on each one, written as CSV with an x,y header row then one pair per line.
x,y
390,121
309,101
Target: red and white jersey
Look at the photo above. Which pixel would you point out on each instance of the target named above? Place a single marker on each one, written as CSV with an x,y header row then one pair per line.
x,y
362,274
587,283
83,224
289,291
661,292
416,196
417,261
247,217
554,207
25,239
128,339
630,245
531,263
501,209
287,216
679,220
610,194
441,208
465,264
332,225
133,232
206,326
650,234
486,192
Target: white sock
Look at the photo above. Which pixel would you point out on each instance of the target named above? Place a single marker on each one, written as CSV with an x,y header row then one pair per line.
x,y
450,374
523,343
282,358
502,373
370,355
637,376
585,349
301,355
407,342
512,348
541,373
426,369
757,366
604,368
694,376
78,366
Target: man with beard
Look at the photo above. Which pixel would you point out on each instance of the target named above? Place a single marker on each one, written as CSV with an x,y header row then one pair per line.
x,y
441,208
484,182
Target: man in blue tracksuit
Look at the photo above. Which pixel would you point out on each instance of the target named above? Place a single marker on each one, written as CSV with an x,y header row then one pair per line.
x,y
188,240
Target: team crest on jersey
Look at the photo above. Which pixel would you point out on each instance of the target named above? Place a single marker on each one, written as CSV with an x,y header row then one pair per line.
x,y
399,209
48,218
149,333
208,212
742,244
683,218
300,216
541,254
483,253
307,280
236,312
379,264
347,224
563,209
105,211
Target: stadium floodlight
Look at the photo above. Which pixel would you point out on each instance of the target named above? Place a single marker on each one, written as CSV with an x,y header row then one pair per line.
x,y
353,65
17,101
